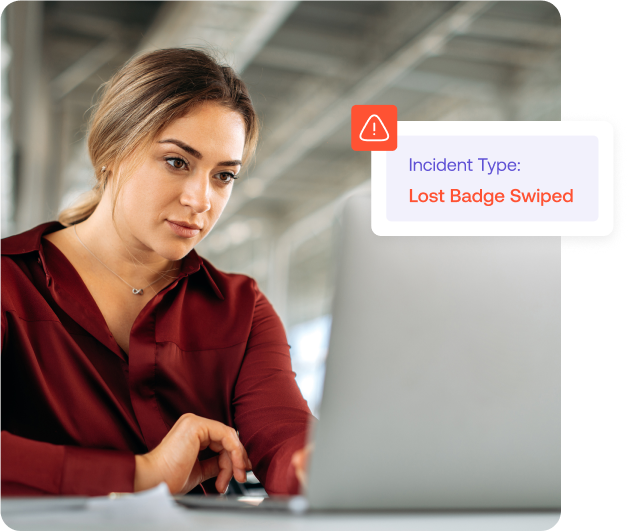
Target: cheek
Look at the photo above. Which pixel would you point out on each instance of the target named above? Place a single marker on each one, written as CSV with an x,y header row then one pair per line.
x,y
144,198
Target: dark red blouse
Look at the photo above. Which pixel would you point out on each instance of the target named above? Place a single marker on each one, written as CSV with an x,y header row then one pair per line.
x,y
76,408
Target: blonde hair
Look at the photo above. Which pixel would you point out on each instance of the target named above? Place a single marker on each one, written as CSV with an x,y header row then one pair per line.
x,y
146,94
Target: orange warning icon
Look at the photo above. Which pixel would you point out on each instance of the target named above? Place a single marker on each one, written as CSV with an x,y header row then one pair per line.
x,y
374,127
374,130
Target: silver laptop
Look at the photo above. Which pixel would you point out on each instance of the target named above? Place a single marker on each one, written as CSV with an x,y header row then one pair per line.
x,y
442,387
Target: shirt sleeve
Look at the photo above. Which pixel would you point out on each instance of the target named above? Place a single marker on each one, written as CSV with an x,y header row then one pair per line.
x,y
269,412
34,468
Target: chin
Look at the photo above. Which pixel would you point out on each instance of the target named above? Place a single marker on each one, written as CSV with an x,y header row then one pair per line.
x,y
173,251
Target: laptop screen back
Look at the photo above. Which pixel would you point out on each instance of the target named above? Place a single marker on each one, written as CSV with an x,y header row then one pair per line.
x,y
442,386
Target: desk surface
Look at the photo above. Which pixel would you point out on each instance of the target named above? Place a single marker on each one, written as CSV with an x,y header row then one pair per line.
x,y
53,515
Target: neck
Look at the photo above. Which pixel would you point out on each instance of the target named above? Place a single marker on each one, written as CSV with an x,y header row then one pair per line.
x,y
113,244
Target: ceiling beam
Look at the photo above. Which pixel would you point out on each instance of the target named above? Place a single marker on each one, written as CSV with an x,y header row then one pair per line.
x,y
87,25
460,87
497,52
515,30
268,22
307,62
237,30
430,42
87,65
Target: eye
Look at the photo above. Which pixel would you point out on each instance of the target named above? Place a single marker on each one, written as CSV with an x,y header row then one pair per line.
x,y
177,163
226,177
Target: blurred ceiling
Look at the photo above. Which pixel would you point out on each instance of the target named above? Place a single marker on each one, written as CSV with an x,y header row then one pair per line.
x,y
306,64
234,31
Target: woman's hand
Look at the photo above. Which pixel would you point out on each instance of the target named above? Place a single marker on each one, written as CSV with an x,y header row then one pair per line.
x,y
300,461
175,459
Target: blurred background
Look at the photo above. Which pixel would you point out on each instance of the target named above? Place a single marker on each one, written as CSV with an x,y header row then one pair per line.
x,y
306,64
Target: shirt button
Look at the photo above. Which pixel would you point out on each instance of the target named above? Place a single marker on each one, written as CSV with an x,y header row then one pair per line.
x,y
38,260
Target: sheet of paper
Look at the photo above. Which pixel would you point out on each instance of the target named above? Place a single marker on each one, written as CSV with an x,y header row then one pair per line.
x,y
151,509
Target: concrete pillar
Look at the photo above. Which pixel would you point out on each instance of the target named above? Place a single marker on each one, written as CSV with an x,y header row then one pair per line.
x,y
6,154
31,117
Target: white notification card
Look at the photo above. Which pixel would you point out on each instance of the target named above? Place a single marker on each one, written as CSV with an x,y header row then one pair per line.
x,y
494,179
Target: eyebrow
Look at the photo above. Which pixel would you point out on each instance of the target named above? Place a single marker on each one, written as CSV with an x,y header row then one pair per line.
x,y
182,145
197,154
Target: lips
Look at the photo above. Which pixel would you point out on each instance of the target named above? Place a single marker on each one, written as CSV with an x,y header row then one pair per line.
x,y
183,229
186,225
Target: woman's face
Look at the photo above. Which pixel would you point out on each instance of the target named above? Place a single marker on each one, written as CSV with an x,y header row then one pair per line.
x,y
182,184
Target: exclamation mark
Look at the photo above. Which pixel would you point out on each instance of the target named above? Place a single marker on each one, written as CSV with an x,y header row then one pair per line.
x,y
374,128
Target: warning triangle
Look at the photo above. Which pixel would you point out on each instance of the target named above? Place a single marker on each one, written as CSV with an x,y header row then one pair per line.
x,y
374,130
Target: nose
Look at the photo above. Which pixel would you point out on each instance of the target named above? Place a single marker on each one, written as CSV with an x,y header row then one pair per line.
x,y
197,194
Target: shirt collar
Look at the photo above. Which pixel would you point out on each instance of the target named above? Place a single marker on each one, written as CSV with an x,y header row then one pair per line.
x,y
30,241
193,263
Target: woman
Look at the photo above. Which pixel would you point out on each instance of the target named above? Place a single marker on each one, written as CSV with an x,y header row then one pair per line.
x,y
127,360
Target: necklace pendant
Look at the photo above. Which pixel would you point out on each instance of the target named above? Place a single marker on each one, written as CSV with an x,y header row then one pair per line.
x,y
137,291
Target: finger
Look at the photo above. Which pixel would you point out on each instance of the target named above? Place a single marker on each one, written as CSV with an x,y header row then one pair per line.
x,y
239,461
231,443
218,437
209,468
297,459
225,472
175,458
300,461
196,475
238,458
